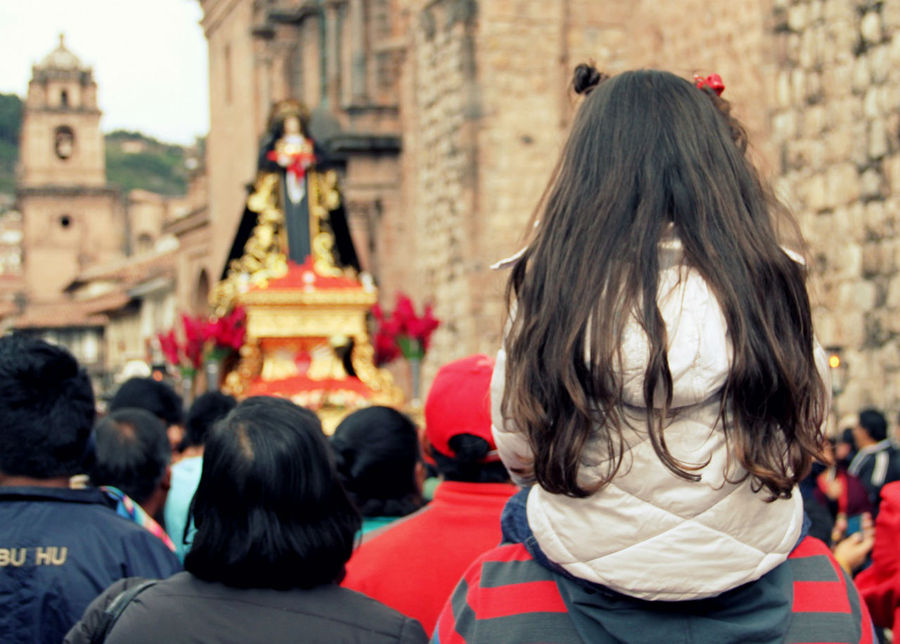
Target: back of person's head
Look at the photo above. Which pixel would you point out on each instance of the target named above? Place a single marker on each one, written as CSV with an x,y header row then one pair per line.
x,y
458,422
269,509
46,409
156,397
651,156
377,450
206,410
846,436
131,452
874,423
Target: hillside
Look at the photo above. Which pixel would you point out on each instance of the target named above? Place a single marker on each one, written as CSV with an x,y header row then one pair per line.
x,y
137,161
10,123
133,160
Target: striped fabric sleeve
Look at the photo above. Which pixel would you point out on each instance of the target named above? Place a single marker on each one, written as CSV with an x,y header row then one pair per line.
x,y
826,604
505,596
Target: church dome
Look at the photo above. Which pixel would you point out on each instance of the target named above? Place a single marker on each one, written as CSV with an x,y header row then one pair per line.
x,y
61,58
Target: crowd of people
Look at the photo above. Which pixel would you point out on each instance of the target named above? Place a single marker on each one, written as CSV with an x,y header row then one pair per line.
x,y
643,461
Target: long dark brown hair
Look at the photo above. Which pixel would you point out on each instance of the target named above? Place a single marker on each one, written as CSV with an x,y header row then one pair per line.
x,y
648,149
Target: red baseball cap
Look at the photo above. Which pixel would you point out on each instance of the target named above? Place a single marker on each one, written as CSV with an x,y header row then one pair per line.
x,y
459,402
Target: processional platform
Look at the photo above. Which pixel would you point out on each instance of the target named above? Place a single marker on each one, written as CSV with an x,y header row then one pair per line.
x,y
294,271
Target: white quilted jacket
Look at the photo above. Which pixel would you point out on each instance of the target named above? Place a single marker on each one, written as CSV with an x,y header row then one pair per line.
x,y
650,534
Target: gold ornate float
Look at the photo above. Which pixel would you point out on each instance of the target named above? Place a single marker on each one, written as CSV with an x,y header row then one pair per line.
x,y
307,335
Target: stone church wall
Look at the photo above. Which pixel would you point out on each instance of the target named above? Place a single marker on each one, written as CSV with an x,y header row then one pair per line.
x,y
835,126
482,132
816,83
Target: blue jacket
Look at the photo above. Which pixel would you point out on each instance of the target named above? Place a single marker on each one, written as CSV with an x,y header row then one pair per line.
x,y
60,548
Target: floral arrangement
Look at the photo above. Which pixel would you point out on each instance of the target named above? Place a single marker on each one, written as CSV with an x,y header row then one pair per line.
x,y
403,332
226,333
204,339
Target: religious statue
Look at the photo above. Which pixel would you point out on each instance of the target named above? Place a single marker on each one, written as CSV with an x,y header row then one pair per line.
x,y
294,270
314,217
293,152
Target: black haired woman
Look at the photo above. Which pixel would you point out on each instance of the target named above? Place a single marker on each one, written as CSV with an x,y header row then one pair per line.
x,y
661,387
379,462
274,530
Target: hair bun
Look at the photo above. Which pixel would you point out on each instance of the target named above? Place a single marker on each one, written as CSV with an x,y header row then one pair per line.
x,y
586,78
469,448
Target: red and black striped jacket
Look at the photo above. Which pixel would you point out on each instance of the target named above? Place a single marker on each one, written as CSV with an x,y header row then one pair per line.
x,y
507,596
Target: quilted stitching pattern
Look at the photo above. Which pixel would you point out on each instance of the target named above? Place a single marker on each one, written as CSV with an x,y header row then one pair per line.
x,y
651,534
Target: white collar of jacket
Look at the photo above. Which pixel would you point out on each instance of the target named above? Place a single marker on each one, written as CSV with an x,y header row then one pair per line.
x,y
650,534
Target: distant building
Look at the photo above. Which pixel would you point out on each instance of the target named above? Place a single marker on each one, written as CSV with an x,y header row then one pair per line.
x,y
90,256
71,217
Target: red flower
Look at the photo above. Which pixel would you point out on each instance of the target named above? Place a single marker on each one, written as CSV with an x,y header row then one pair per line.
x,y
195,336
403,332
404,312
213,337
429,324
392,327
168,344
228,332
386,348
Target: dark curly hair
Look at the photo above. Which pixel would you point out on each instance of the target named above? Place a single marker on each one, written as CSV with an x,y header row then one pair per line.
x,y
46,409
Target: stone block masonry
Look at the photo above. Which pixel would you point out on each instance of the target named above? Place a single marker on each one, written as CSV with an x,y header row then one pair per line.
x,y
835,127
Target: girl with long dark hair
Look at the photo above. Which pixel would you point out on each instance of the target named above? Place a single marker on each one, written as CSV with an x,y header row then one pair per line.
x,y
659,383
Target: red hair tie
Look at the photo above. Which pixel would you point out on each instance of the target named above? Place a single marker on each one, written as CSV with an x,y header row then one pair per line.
x,y
713,82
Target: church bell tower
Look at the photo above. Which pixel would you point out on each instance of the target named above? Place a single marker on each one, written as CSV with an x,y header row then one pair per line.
x,y
71,218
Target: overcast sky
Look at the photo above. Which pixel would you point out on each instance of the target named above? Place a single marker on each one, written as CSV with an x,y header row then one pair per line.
x,y
149,58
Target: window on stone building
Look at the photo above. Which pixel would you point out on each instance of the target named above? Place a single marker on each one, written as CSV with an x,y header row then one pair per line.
x,y
65,221
64,142
295,72
64,98
201,294
227,59
381,18
144,243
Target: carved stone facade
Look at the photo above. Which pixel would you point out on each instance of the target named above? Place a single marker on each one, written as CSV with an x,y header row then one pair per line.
x,y
451,114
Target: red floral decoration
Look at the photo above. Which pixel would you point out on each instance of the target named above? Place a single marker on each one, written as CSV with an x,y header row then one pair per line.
x,y
168,343
227,333
194,340
403,332
203,339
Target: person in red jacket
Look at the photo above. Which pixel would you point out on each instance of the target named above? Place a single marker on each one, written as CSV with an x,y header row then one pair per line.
x,y
879,584
415,563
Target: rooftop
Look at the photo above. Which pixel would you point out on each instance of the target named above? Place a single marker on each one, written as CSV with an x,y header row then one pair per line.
x,y
61,58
